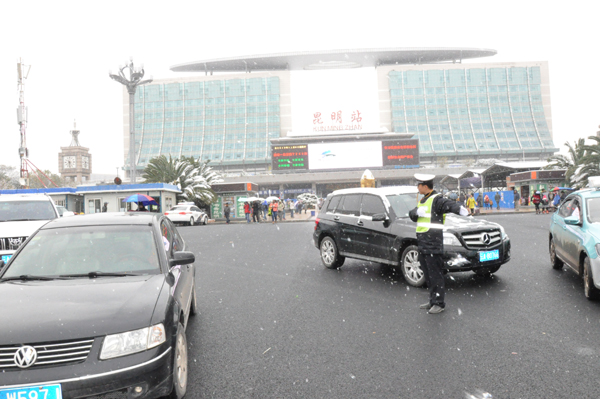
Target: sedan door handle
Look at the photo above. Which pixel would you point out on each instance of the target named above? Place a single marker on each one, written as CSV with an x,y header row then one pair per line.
x,y
336,218
360,223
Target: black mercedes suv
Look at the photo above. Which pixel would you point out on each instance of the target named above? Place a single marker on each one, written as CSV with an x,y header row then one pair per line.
x,y
373,224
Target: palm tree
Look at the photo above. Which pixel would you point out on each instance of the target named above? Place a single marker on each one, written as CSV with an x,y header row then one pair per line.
x,y
570,162
194,178
590,163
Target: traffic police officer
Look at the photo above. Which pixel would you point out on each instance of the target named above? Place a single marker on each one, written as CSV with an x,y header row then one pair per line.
x,y
429,215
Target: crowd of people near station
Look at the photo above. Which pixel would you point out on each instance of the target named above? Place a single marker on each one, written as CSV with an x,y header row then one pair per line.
x,y
269,211
543,201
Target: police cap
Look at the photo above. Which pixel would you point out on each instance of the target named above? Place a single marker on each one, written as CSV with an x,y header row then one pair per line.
x,y
422,178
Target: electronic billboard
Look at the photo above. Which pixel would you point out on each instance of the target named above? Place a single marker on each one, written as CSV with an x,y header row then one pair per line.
x,y
346,155
289,157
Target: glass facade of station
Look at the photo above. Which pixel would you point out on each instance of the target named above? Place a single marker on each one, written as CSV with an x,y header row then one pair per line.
x,y
456,112
228,121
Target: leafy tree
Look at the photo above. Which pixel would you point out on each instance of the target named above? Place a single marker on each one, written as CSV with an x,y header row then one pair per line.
x,y
34,182
193,177
9,177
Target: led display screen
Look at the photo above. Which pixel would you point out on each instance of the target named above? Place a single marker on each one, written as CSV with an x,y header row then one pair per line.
x,y
289,157
345,155
400,153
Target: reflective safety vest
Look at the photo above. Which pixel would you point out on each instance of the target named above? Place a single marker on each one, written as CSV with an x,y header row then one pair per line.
x,y
424,223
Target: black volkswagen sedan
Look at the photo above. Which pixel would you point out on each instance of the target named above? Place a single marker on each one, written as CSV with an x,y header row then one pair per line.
x,y
97,306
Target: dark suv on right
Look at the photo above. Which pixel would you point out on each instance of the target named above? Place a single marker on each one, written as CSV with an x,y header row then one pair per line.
x,y
372,224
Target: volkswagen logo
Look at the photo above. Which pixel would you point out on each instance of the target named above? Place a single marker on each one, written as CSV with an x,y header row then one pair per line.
x,y
25,357
486,239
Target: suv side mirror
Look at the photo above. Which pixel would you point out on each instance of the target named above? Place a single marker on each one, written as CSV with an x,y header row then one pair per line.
x,y
182,258
572,220
379,217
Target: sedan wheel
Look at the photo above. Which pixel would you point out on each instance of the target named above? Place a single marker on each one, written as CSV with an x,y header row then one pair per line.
x,y
180,366
556,263
192,221
411,267
589,289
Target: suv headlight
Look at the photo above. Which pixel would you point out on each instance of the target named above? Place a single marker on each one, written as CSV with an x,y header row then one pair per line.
x,y
450,239
503,233
132,341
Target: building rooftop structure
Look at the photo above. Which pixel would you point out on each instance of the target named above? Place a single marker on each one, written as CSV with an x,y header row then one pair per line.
x,y
334,59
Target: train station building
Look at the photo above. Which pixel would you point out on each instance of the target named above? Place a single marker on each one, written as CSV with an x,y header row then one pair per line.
x,y
437,108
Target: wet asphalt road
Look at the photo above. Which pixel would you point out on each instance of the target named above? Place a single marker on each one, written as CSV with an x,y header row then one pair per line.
x,y
275,323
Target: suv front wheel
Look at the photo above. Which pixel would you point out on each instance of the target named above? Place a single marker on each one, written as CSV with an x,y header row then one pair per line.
x,y
411,267
329,254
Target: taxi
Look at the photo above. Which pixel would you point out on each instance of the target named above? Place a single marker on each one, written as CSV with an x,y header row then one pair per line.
x,y
574,237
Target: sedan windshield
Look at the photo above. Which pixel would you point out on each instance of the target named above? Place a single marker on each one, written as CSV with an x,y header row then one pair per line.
x,y
87,251
593,210
402,203
26,210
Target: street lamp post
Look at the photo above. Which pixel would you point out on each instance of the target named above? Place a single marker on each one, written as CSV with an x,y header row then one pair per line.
x,y
136,74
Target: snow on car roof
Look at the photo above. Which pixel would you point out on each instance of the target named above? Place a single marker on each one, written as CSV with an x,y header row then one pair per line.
x,y
394,190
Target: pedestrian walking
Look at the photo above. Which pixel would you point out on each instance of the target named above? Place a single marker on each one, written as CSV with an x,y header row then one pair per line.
x,y
517,198
290,206
299,207
487,202
281,211
265,209
556,201
227,211
256,212
536,199
247,211
429,216
545,201
105,207
273,209
497,197
471,204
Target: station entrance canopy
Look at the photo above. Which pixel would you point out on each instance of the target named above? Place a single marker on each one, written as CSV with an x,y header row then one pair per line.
x,y
334,59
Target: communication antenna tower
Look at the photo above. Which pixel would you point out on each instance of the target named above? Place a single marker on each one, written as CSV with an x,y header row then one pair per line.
x,y
22,74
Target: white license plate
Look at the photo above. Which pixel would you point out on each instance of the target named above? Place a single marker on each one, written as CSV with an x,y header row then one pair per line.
x,y
489,255
38,392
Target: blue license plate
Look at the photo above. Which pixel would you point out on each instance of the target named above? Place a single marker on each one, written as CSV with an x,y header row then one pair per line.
x,y
38,392
489,255
5,258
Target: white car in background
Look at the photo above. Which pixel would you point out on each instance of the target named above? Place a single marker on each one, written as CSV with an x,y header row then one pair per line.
x,y
20,216
187,213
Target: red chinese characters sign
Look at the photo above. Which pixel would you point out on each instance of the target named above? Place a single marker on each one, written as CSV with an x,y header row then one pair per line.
x,y
338,121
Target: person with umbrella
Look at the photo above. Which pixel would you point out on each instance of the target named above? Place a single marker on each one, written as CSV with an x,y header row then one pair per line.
x,y
256,211
141,200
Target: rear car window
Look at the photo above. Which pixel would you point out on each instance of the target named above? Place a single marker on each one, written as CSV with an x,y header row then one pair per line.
x,y
333,203
350,205
371,205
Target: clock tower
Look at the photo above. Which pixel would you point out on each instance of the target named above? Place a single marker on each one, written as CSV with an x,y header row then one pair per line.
x,y
75,161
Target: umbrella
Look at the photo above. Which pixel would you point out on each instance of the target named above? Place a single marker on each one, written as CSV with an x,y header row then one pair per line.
x,y
269,199
141,199
562,188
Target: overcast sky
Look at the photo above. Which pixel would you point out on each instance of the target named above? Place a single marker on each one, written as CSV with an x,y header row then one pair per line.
x,y
72,45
